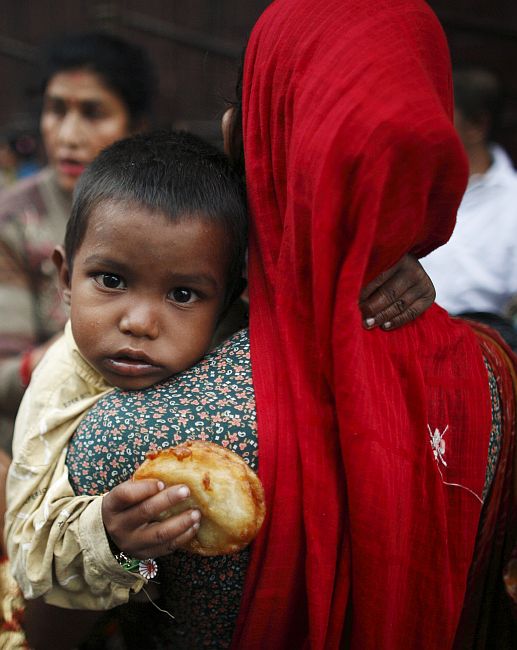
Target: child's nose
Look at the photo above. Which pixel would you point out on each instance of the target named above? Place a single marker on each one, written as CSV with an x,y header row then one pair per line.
x,y
140,321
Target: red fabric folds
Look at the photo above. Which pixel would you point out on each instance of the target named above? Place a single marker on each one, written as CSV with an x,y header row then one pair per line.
x,y
373,445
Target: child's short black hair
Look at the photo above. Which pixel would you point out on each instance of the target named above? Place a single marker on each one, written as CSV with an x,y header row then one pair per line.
x,y
171,172
124,67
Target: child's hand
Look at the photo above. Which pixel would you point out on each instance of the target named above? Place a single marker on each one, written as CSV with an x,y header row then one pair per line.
x,y
397,296
130,513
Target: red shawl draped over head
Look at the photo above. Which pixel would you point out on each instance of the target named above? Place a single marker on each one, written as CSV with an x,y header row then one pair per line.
x,y
372,444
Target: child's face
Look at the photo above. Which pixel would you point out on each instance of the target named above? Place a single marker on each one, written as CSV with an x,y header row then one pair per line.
x,y
145,294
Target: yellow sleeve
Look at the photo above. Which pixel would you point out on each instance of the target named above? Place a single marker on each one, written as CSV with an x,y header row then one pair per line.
x,y
56,541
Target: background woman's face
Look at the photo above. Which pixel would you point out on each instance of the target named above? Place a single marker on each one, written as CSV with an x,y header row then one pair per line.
x,y
80,117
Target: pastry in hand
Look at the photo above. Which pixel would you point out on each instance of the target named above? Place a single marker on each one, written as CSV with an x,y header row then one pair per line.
x,y
222,487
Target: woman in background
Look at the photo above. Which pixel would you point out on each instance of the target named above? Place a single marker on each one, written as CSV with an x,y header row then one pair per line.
x,y
95,89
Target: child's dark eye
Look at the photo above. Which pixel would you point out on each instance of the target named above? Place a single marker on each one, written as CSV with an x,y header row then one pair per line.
x,y
110,281
182,295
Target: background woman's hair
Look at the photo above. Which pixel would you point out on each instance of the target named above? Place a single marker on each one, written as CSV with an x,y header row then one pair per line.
x,y
124,67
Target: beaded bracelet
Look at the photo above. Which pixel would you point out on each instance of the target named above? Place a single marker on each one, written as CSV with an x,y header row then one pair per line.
x,y
148,569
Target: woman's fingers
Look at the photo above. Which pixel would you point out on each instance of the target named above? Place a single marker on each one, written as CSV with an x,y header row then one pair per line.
x,y
370,296
404,310
397,296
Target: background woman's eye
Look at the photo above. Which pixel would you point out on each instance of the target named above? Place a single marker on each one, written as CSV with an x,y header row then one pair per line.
x,y
91,110
111,281
182,295
54,106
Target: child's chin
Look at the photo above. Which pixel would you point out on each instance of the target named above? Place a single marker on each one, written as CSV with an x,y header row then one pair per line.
x,y
136,385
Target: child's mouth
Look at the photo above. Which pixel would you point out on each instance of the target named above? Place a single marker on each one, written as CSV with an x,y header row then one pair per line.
x,y
133,365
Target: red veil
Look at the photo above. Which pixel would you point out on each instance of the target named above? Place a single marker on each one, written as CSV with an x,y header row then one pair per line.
x,y
373,445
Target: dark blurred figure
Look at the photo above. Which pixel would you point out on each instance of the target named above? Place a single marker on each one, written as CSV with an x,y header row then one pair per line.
x,y
19,152
95,89
475,273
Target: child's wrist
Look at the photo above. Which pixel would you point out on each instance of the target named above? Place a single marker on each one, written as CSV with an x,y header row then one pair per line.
x,y
148,569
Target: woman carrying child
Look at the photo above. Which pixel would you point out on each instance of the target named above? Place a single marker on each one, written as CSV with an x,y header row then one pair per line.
x,y
138,315
373,447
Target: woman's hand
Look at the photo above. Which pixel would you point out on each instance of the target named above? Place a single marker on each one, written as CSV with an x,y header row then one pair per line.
x,y
397,296
131,516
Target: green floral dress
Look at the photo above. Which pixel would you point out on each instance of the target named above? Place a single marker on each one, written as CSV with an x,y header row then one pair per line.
x,y
212,401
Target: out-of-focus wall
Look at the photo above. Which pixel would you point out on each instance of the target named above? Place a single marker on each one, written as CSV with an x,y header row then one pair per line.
x,y
195,44
484,33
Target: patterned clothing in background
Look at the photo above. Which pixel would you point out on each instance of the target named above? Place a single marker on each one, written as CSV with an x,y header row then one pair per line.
x,y
212,401
33,216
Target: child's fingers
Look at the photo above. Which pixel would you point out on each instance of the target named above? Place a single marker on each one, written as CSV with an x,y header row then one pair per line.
x,y
162,538
127,494
124,516
150,509
174,532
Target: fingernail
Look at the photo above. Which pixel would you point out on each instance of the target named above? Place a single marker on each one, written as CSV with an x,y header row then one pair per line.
x,y
369,322
387,325
195,515
195,526
183,491
161,486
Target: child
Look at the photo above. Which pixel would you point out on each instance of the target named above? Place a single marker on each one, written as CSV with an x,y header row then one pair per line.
x,y
153,256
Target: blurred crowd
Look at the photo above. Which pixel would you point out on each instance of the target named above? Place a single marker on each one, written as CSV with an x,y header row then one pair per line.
x,y
475,273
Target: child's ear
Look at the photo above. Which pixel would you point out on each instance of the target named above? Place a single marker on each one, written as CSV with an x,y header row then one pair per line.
x,y
63,272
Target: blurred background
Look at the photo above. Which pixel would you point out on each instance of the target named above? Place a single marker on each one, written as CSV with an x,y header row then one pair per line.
x,y
196,46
